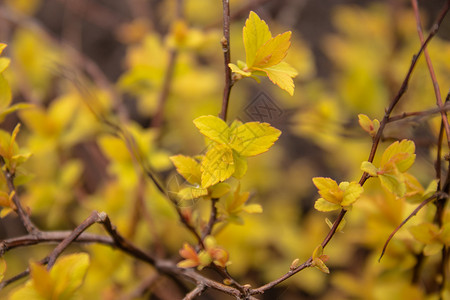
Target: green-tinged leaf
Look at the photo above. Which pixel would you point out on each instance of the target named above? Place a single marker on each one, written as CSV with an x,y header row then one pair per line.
x,y
217,165
5,211
240,165
369,168
255,34
4,63
393,183
272,52
433,248
281,75
189,193
325,206
318,251
5,93
253,208
253,138
220,189
403,162
2,268
352,192
187,167
214,128
236,69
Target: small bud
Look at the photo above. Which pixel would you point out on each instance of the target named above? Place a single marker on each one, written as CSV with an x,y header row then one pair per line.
x,y
294,264
227,281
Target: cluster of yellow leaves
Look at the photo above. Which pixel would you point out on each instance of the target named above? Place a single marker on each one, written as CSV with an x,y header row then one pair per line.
x,y
61,282
212,254
336,196
226,153
395,161
265,54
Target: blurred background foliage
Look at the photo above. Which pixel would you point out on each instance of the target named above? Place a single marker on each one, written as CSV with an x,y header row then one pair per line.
x,y
83,63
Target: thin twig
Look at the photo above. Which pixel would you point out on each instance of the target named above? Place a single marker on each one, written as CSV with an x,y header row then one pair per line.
x,y
23,216
168,77
92,219
227,59
437,91
199,289
212,219
415,211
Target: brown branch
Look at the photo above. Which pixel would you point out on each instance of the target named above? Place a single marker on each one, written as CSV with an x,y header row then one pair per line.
x,y
419,114
51,237
212,219
92,219
168,77
437,91
23,215
199,289
415,211
227,59
164,94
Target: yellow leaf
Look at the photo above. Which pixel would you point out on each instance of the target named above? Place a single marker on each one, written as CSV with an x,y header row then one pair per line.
x,y
2,268
325,206
253,208
255,34
393,183
4,63
42,280
352,192
281,75
328,189
5,93
272,52
217,165
187,167
253,138
214,128
238,70
190,193
2,47
240,165
369,168
220,189
401,153
68,274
